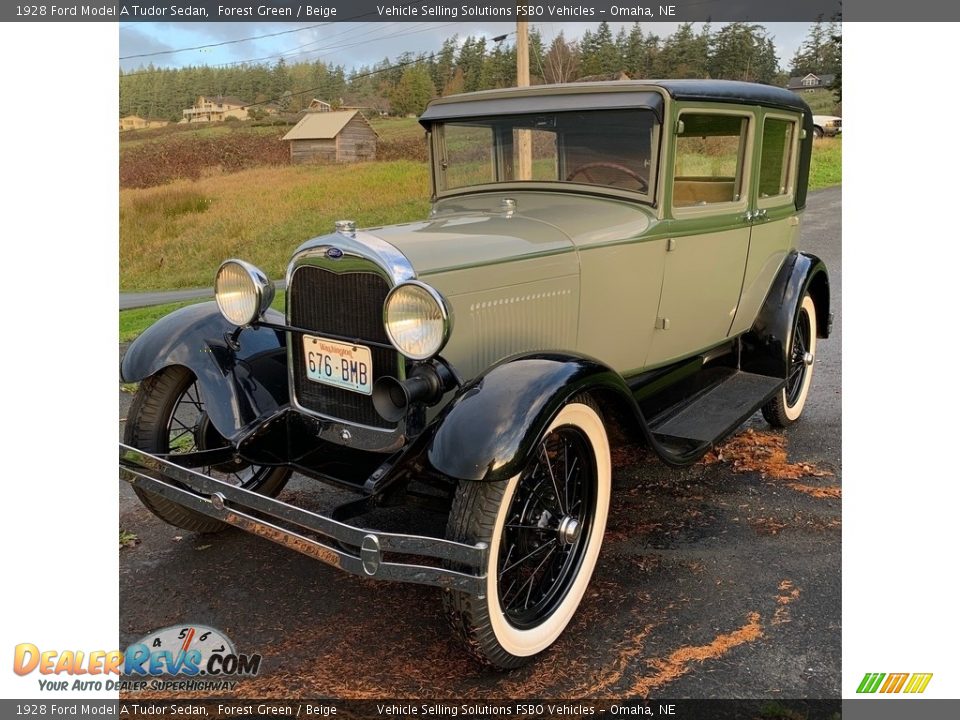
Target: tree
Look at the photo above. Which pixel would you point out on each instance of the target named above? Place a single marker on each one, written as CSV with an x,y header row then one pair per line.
x,y
836,39
598,52
684,54
638,52
742,51
413,92
818,53
561,64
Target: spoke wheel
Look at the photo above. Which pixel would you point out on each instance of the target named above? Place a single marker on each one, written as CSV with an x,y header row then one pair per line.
x,y
547,526
787,405
168,417
544,528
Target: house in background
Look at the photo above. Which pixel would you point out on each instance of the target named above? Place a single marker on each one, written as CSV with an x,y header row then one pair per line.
x,y
338,136
135,122
319,106
810,82
218,109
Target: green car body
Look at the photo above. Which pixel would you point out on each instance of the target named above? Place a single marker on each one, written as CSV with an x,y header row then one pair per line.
x,y
614,259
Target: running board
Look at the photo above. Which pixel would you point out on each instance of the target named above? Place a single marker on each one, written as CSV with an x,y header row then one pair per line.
x,y
715,412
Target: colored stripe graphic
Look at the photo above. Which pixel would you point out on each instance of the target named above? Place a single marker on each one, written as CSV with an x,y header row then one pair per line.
x,y
918,682
895,682
870,682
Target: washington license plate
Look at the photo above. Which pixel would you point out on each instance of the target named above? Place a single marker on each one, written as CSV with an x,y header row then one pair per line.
x,y
339,364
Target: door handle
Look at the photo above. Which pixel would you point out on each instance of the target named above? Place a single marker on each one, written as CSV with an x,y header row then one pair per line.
x,y
760,215
748,216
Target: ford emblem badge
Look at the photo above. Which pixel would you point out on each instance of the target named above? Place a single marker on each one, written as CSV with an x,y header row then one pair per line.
x,y
334,253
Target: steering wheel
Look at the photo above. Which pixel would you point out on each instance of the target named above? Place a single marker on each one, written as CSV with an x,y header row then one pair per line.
x,y
584,170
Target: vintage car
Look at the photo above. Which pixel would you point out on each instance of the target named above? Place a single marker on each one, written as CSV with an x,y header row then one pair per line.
x,y
602,262
827,126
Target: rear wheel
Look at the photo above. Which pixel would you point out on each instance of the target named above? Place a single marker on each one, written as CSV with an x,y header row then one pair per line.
x,y
168,416
786,406
544,528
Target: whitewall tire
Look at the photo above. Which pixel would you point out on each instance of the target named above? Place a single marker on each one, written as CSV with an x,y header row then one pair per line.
x,y
787,405
544,528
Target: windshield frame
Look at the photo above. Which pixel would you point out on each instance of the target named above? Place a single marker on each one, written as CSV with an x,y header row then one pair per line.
x,y
437,144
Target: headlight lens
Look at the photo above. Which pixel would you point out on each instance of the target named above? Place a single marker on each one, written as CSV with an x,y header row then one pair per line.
x,y
243,292
417,320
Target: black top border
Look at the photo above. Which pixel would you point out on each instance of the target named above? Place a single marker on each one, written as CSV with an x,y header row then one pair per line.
x,y
553,11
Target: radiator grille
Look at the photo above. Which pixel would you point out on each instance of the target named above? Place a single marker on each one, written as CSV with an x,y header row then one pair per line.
x,y
345,304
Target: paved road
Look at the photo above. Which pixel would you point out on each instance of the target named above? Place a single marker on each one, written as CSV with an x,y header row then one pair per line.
x,y
710,584
129,301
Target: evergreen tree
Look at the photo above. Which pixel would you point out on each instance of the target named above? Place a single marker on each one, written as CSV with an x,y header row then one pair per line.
x,y
413,92
743,52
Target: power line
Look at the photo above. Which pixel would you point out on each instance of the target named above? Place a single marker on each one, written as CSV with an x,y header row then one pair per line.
x,y
219,44
252,37
299,50
359,76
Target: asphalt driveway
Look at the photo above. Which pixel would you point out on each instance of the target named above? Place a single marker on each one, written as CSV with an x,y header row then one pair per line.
x,y
711,582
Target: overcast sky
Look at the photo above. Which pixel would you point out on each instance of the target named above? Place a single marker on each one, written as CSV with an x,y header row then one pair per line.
x,y
352,44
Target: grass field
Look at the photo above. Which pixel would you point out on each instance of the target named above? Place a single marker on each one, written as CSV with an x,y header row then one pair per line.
x,y
176,235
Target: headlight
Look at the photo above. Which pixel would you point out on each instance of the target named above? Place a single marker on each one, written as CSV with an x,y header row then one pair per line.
x,y
417,320
243,292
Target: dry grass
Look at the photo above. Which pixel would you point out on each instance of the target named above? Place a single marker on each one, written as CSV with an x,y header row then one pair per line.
x,y
176,235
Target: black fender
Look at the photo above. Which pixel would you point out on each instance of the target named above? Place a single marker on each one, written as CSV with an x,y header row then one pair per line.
x,y
491,429
766,346
239,381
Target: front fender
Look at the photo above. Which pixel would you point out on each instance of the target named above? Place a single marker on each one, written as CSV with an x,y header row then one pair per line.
x,y
238,385
766,347
491,429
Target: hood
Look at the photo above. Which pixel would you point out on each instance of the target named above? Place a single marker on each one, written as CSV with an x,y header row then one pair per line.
x,y
493,227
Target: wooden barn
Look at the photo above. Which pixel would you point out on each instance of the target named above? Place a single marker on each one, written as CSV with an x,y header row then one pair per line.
x,y
340,136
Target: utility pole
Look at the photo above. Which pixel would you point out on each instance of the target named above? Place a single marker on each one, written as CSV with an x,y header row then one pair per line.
x,y
524,137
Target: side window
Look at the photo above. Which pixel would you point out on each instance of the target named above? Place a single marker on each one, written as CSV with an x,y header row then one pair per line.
x,y
709,159
775,155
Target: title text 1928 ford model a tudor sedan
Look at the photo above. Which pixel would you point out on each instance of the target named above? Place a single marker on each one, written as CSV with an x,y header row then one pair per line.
x,y
601,260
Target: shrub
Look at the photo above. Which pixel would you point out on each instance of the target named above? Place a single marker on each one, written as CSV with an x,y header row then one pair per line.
x,y
157,163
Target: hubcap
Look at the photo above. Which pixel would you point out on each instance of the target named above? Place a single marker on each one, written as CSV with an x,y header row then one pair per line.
x,y
569,530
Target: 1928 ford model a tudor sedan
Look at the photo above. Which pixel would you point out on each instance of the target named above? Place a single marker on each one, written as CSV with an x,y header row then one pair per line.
x,y
601,260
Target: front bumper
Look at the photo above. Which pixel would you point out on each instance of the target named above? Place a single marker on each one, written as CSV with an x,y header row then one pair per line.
x,y
353,549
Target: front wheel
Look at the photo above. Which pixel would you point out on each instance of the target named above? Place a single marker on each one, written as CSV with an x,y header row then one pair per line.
x,y
544,528
168,417
786,405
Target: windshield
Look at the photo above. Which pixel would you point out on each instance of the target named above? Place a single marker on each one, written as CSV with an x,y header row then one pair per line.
x,y
607,148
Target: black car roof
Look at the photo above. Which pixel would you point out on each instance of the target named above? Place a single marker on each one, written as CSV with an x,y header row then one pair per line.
x,y
607,95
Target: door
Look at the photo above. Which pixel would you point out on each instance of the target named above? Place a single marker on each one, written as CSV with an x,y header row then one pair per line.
x,y
776,222
709,232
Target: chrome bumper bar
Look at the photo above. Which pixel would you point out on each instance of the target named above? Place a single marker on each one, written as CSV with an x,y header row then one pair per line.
x,y
352,549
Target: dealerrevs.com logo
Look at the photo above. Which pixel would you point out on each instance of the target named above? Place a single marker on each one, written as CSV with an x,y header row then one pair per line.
x,y
200,657
910,683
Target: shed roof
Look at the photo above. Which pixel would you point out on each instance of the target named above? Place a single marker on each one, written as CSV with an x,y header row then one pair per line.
x,y
322,125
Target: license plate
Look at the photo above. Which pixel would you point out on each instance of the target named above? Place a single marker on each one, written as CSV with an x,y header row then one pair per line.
x,y
339,364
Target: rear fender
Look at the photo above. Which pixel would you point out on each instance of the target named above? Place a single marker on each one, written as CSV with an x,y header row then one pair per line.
x,y
766,346
239,382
